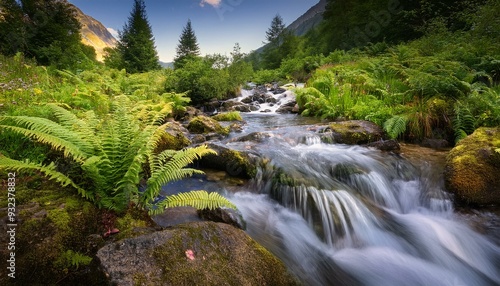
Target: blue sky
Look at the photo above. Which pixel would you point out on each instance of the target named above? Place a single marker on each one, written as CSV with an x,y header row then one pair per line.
x,y
218,24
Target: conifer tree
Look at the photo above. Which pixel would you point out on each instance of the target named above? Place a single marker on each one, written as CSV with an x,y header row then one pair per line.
x,y
188,46
274,33
136,47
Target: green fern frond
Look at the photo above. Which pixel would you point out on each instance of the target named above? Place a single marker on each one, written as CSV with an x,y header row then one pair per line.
x,y
48,170
170,166
463,122
395,126
69,148
196,199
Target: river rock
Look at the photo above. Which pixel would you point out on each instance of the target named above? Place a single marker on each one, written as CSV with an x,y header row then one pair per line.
x,y
473,167
174,137
289,107
352,132
203,125
385,145
235,163
200,253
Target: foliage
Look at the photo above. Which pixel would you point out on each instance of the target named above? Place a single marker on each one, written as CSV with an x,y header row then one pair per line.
x,y
111,152
207,78
135,51
188,46
46,30
395,126
228,116
196,199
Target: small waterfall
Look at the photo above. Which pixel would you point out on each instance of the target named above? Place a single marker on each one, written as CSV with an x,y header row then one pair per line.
x,y
349,215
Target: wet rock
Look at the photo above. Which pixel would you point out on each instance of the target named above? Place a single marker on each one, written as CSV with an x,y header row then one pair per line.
x,y
385,145
200,253
248,99
235,163
288,108
353,132
242,108
224,215
228,105
203,125
253,137
174,138
189,113
472,168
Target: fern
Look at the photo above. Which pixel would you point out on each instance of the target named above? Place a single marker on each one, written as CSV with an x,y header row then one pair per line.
x,y
463,123
112,153
48,170
395,126
196,199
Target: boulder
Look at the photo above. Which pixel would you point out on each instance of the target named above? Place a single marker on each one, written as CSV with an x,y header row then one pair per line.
x,y
203,125
473,167
385,145
174,137
353,132
289,107
199,253
235,163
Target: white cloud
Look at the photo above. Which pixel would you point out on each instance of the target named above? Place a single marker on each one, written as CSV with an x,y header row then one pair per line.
x,y
113,32
214,3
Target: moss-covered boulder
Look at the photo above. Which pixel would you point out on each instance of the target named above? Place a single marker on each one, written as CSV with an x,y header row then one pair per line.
x,y
472,169
198,253
203,124
174,137
57,234
353,132
235,163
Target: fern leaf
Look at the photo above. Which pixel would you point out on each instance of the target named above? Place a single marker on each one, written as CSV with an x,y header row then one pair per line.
x,y
49,171
69,149
196,199
395,126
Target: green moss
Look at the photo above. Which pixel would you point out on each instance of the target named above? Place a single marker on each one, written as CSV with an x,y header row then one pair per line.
x,y
473,167
228,116
203,124
222,255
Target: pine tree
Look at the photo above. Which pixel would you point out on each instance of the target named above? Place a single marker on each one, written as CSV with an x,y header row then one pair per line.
x,y
188,46
136,45
274,33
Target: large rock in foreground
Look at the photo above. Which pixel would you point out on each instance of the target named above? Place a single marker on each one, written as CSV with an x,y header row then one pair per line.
x,y
472,170
200,253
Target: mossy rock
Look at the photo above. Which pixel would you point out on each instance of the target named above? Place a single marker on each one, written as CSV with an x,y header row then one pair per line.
x,y
54,243
203,125
235,163
353,132
174,138
228,116
473,167
199,253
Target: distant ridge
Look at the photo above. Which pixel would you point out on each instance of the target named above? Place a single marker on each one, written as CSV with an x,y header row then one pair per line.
x,y
309,19
94,33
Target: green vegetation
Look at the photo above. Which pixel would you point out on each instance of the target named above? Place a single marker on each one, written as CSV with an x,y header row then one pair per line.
x,y
109,154
136,51
47,30
188,46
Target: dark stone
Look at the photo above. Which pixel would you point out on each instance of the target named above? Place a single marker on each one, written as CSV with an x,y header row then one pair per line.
x,y
235,163
385,145
224,215
242,108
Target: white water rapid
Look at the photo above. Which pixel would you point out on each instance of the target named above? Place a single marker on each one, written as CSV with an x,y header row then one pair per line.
x,y
350,215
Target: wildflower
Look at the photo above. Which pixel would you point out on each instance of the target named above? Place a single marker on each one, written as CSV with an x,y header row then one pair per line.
x,y
189,254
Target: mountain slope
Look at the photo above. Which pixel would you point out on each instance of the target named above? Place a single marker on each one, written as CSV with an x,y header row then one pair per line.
x,y
309,19
95,34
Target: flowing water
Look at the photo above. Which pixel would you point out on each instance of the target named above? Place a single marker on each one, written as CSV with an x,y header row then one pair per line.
x,y
350,215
